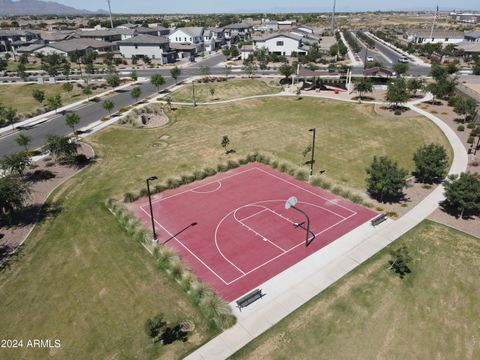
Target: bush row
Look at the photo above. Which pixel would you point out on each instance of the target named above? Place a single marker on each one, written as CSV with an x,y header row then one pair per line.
x,y
206,300
283,166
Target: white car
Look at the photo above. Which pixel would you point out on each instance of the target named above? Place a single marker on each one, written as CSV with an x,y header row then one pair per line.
x,y
403,60
370,59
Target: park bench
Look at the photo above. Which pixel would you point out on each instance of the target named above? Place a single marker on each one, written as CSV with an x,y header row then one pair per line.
x,y
379,219
249,298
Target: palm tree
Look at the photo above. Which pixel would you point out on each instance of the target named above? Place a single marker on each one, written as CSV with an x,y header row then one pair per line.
x,y
23,140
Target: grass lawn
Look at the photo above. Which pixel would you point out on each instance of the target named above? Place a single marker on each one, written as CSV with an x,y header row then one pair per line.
x,y
372,314
20,95
232,89
82,280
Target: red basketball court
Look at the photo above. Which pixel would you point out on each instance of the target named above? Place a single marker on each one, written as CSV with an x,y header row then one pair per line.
x,y
234,232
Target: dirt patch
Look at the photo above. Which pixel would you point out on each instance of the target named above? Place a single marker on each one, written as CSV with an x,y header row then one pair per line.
x,y
149,117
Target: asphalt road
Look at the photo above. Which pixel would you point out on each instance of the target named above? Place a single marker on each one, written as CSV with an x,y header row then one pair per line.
x,y
92,112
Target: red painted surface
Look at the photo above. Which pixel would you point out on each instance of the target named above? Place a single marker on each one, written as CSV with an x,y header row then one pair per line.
x,y
244,236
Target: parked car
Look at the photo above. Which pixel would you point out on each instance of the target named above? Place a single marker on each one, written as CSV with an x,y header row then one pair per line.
x,y
403,60
370,59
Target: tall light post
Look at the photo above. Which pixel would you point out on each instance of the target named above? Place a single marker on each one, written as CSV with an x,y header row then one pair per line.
x,y
314,131
333,16
151,178
193,93
110,11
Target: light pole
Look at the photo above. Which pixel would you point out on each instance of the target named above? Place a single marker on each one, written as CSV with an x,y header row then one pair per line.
x,y
290,204
314,131
151,178
193,93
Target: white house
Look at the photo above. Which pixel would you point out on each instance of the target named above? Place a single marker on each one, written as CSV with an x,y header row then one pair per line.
x,y
280,44
188,35
67,47
155,47
238,32
439,36
473,36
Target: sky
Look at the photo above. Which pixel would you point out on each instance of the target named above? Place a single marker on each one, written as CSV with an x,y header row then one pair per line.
x,y
206,6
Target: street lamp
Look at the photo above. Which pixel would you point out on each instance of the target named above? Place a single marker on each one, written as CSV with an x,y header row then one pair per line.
x,y
193,93
314,131
291,204
151,178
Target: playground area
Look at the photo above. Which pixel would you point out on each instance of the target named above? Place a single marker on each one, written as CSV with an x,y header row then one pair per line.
x,y
234,231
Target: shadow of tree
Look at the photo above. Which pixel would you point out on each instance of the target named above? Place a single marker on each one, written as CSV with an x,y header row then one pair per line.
x,y
34,213
7,257
171,335
452,211
39,175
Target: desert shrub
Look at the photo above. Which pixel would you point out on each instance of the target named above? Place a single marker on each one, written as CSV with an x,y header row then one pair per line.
x,y
283,167
291,171
471,125
231,164
210,171
172,183
301,175
471,140
129,197
397,112
252,157
460,128
159,188
274,164
199,175
221,168
143,192
337,190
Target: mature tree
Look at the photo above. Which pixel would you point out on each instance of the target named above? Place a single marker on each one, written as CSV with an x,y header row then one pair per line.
x,y
414,85
54,102
21,72
397,92
385,179
108,105
66,69
155,327
72,119
61,147
437,71
225,142
362,86
431,163
13,194
113,80
333,50
23,140
442,87
227,70
38,95
8,115
175,73
250,68
136,92
157,80
462,193
133,75
401,68
452,67
234,52
23,59
286,70
87,90
15,163
68,87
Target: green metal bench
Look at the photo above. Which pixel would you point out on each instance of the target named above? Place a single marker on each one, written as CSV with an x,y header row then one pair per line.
x,y
379,219
249,298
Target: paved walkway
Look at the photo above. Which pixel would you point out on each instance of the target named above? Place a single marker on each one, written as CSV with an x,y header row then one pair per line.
x,y
294,287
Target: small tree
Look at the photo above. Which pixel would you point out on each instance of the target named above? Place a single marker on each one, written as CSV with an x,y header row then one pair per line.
x,y
225,142
234,52
136,93
113,80
54,102
66,69
8,115
87,90
286,70
3,64
250,68
400,260
38,95
13,194
68,87
175,73
401,68
23,140
385,179
133,75
157,80
108,105
462,193
61,147
212,91
228,70
72,120
431,163
362,86
22,72
414,85
397,92
15,163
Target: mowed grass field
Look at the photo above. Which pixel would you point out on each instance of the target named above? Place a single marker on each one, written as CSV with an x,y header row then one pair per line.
x,y
372,314
232,89
20,96
82,280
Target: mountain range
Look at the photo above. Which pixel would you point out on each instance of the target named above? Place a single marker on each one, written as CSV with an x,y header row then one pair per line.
x,y
37,7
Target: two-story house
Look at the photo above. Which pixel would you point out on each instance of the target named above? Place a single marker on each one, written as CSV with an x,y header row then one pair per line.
x,y
188,36
155,47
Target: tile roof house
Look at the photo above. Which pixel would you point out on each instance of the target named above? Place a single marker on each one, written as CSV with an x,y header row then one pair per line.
x,y
277,43
155,47
67,47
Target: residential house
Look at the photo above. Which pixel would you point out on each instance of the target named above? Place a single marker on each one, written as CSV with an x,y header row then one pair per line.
x,y
238,32
155,47
127,33
161,31
469,18
267,25
439,36
473,36
108,35
56,36
188,36
12,39
287,24
67,47
281,44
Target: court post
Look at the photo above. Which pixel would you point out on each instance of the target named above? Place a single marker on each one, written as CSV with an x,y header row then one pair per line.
x,y
314,131
290,204
151,178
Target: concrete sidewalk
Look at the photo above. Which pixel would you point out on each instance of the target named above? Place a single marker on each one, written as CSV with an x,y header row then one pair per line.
x,y
295,286
354,62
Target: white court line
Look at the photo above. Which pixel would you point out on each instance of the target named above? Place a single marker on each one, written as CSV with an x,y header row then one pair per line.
x,y
209,191
255,214
186,248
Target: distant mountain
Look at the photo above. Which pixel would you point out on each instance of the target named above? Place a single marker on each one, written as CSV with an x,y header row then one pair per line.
x,y
37,7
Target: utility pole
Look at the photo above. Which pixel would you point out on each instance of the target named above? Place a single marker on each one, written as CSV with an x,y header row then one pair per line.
x,y
333,16
110,11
